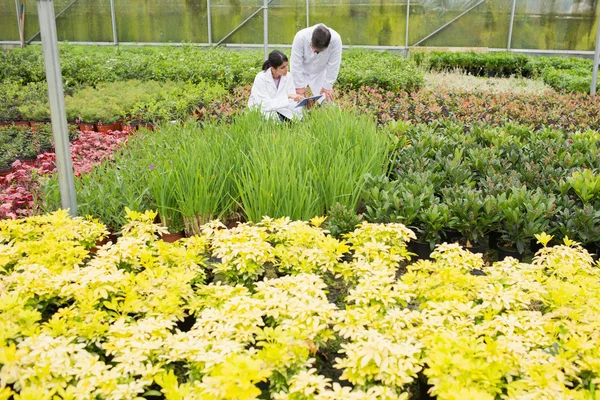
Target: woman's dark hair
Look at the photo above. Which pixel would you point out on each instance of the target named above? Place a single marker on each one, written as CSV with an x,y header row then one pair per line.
x,y
320,37
276,58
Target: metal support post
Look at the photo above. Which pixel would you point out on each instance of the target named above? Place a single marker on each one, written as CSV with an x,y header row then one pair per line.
x,y
407,21
114,21
209,21
596,61
510,26
18,20
57,105
266,27
307,14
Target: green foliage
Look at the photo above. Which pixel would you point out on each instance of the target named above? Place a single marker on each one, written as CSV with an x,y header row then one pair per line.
x,y
91,65
523,214
341,220
566,74
24,102
254,166
176,102
497,64
386,70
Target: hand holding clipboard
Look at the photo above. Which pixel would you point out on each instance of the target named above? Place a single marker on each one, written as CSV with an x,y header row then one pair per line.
x,y
309,101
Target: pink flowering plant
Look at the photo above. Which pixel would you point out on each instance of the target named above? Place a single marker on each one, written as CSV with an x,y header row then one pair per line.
x,y
19,189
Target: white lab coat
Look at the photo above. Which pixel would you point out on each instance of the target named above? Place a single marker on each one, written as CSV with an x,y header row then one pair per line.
x,y
315,70
272,99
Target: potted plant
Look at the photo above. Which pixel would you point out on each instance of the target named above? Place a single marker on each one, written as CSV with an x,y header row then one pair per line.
x,y
5,162
431,223
577,222
523,214
472,214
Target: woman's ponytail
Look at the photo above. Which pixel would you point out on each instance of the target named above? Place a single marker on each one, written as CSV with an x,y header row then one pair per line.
x,y
275,60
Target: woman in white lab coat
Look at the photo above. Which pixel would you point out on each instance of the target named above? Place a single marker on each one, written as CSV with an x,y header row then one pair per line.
x,y
273,90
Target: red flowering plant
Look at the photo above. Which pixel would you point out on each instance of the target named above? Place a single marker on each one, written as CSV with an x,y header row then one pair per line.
x,y
17,189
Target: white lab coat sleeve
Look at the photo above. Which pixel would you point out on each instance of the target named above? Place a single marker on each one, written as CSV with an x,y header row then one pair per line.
x,y
290,87
259,96
297,60
333,65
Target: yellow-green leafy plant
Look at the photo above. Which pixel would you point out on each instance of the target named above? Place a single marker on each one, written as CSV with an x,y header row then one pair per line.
x,y
299,247
243,250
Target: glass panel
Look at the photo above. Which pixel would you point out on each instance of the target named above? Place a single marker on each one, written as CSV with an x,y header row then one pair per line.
x,y
363,22
228,14
161,21
8,21
286,17
85,21
556,24
484,26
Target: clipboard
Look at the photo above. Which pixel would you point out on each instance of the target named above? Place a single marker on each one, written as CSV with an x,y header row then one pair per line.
x,y
305,101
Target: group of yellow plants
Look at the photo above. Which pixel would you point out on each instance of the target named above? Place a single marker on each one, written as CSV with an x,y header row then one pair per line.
x,y
78,322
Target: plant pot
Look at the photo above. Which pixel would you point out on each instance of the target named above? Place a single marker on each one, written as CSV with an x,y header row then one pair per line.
x,y
110,238
504,252
146,126
450,235
477,248
133,126
105,128
534,246
35,126
422,250
5,171
594,249
86,127
31,161
493,239
172,237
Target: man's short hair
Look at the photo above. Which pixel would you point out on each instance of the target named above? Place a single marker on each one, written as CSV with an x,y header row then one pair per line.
x,y
320,37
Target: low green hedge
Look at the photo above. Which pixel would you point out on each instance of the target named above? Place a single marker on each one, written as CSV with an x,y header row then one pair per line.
x,y
93,65
561,73
386,70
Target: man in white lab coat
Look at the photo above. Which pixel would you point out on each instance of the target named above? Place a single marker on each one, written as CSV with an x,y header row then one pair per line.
x,y
315,61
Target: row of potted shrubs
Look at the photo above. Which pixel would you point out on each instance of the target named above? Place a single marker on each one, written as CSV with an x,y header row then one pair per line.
x,y
509,183
109,103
